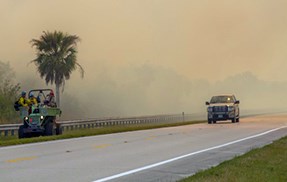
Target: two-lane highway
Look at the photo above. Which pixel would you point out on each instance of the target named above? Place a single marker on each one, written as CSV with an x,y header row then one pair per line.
x,y
165,154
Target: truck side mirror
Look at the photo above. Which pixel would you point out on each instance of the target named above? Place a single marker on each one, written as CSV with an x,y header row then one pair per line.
x,y
237,102
207,103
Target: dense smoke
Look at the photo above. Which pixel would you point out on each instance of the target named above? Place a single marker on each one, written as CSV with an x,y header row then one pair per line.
x,y
155,56
147,89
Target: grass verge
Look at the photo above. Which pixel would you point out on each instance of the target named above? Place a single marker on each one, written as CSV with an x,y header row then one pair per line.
x,y
268,163
13,140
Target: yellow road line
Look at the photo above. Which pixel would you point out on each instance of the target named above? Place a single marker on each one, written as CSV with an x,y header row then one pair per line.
x,y
102,146
21,159
151,138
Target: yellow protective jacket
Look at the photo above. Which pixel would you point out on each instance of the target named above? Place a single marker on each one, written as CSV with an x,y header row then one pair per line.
x,y
23,102
33,101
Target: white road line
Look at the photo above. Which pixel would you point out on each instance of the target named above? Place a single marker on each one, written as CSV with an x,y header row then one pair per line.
x,y
184,156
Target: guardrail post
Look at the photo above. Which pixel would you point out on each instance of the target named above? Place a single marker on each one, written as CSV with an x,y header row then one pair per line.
x,y
183,119
6,133
12,132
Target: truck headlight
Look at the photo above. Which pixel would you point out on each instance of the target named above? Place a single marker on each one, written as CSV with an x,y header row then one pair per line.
x,y
230,108
209,109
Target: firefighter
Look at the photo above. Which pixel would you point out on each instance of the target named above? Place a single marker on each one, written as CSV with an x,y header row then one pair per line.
x,y
50,99
23,102
32,100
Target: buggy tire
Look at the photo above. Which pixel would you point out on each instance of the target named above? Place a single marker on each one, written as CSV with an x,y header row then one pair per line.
x,y
59,130
49,129
233,120
21,133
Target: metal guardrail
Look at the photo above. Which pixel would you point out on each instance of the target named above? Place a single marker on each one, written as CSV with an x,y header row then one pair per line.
x,y
12,129
9,129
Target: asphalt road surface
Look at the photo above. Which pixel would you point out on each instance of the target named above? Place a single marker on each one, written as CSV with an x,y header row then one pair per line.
x,y
166,154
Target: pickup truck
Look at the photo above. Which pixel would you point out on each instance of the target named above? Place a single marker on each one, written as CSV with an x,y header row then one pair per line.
x,y
222,108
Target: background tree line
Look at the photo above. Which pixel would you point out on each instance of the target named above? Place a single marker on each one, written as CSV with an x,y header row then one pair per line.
x,y
9,93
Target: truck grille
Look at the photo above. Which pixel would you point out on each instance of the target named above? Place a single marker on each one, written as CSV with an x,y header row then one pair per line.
x,y
220,109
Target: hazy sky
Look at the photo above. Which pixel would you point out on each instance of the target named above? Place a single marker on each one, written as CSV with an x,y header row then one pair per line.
x,y
196,38
146,56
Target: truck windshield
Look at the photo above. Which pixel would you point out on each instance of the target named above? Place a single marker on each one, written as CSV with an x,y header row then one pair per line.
x,y
222,99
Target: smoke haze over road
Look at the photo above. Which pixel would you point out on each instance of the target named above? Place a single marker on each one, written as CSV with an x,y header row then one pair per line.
x,y
155,56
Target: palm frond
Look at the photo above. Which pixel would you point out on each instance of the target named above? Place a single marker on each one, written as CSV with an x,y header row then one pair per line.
x,y
56,56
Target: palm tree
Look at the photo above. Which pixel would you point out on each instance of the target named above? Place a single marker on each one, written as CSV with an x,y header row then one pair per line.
x,y
56,58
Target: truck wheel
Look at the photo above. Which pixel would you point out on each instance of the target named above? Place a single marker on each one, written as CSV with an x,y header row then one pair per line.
x,y
233,120
21,133
209,121
49,129
237,120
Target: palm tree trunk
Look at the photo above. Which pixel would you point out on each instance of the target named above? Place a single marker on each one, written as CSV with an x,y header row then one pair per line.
x,y
58,95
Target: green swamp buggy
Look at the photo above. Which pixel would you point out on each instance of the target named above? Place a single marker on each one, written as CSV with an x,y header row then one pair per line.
x,y
39,119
